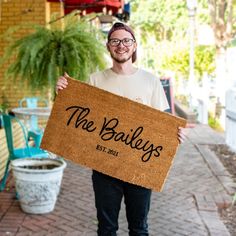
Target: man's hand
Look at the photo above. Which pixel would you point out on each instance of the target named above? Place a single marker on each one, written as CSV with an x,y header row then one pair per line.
x,y
182,134
62,82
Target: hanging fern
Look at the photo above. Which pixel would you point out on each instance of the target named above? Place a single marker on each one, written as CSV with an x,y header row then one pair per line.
x,y
47,53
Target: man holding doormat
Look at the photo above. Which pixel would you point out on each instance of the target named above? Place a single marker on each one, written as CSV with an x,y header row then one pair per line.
x,y
126,80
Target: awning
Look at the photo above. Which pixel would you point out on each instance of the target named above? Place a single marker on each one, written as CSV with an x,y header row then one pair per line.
x,y
107,7
89,6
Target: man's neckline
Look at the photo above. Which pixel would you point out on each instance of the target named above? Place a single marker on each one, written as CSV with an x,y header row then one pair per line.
x,y
125,75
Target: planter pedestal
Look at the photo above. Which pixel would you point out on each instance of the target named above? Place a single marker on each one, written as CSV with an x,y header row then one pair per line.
x,y
38,182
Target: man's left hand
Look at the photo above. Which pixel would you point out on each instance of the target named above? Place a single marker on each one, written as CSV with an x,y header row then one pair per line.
x,y
182,134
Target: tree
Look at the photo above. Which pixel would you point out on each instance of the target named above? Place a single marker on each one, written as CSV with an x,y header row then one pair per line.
x,y
168,22
178,61
223,22
166,19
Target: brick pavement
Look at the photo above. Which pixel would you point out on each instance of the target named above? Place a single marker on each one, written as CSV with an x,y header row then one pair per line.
x,y
196,185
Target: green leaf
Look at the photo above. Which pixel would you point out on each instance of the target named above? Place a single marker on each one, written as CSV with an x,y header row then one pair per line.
x,y
44,54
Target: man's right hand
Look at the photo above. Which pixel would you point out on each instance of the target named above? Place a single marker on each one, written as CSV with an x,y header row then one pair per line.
x,y
62,82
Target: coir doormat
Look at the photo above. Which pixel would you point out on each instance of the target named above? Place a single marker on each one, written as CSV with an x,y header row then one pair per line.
x,y
112,134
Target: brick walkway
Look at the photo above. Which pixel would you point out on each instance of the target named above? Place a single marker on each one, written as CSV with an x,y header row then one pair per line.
x,y
196,186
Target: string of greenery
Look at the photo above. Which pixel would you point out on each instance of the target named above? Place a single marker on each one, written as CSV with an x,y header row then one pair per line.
x,y
41,56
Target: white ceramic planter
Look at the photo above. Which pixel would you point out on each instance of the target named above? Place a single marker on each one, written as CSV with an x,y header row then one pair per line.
x,y
38,182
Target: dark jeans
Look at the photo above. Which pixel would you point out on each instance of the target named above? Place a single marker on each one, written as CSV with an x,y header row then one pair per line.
x,y
108,196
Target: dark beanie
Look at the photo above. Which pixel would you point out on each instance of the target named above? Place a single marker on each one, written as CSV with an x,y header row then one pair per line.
x,y
120,26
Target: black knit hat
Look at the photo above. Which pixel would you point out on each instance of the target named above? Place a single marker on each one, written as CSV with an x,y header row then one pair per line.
x,y
120,26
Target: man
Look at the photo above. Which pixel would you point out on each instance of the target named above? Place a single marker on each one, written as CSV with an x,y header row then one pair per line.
x,y
126,80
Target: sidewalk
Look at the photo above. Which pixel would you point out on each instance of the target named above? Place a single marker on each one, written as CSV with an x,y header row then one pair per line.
x,y
197,185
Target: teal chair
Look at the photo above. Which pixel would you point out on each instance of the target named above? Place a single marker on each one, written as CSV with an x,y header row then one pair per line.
x,y
34,130
1,120
16,153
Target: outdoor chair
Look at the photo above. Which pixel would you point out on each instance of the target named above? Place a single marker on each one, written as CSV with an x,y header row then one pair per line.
x,y
34,130
11,122
33,102
1,120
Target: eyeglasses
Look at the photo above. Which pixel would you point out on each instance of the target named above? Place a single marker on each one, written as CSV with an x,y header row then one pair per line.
x,y
116,42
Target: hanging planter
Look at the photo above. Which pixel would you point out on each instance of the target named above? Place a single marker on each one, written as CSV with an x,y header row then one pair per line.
x,y
74,46
38,182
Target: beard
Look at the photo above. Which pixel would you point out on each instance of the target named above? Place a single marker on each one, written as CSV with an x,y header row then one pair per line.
x,y
120,60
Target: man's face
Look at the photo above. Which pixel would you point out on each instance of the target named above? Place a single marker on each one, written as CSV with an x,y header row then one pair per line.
x,y
121,53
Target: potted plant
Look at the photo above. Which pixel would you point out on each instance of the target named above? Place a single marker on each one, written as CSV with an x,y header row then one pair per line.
x,y
45,53
37,182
